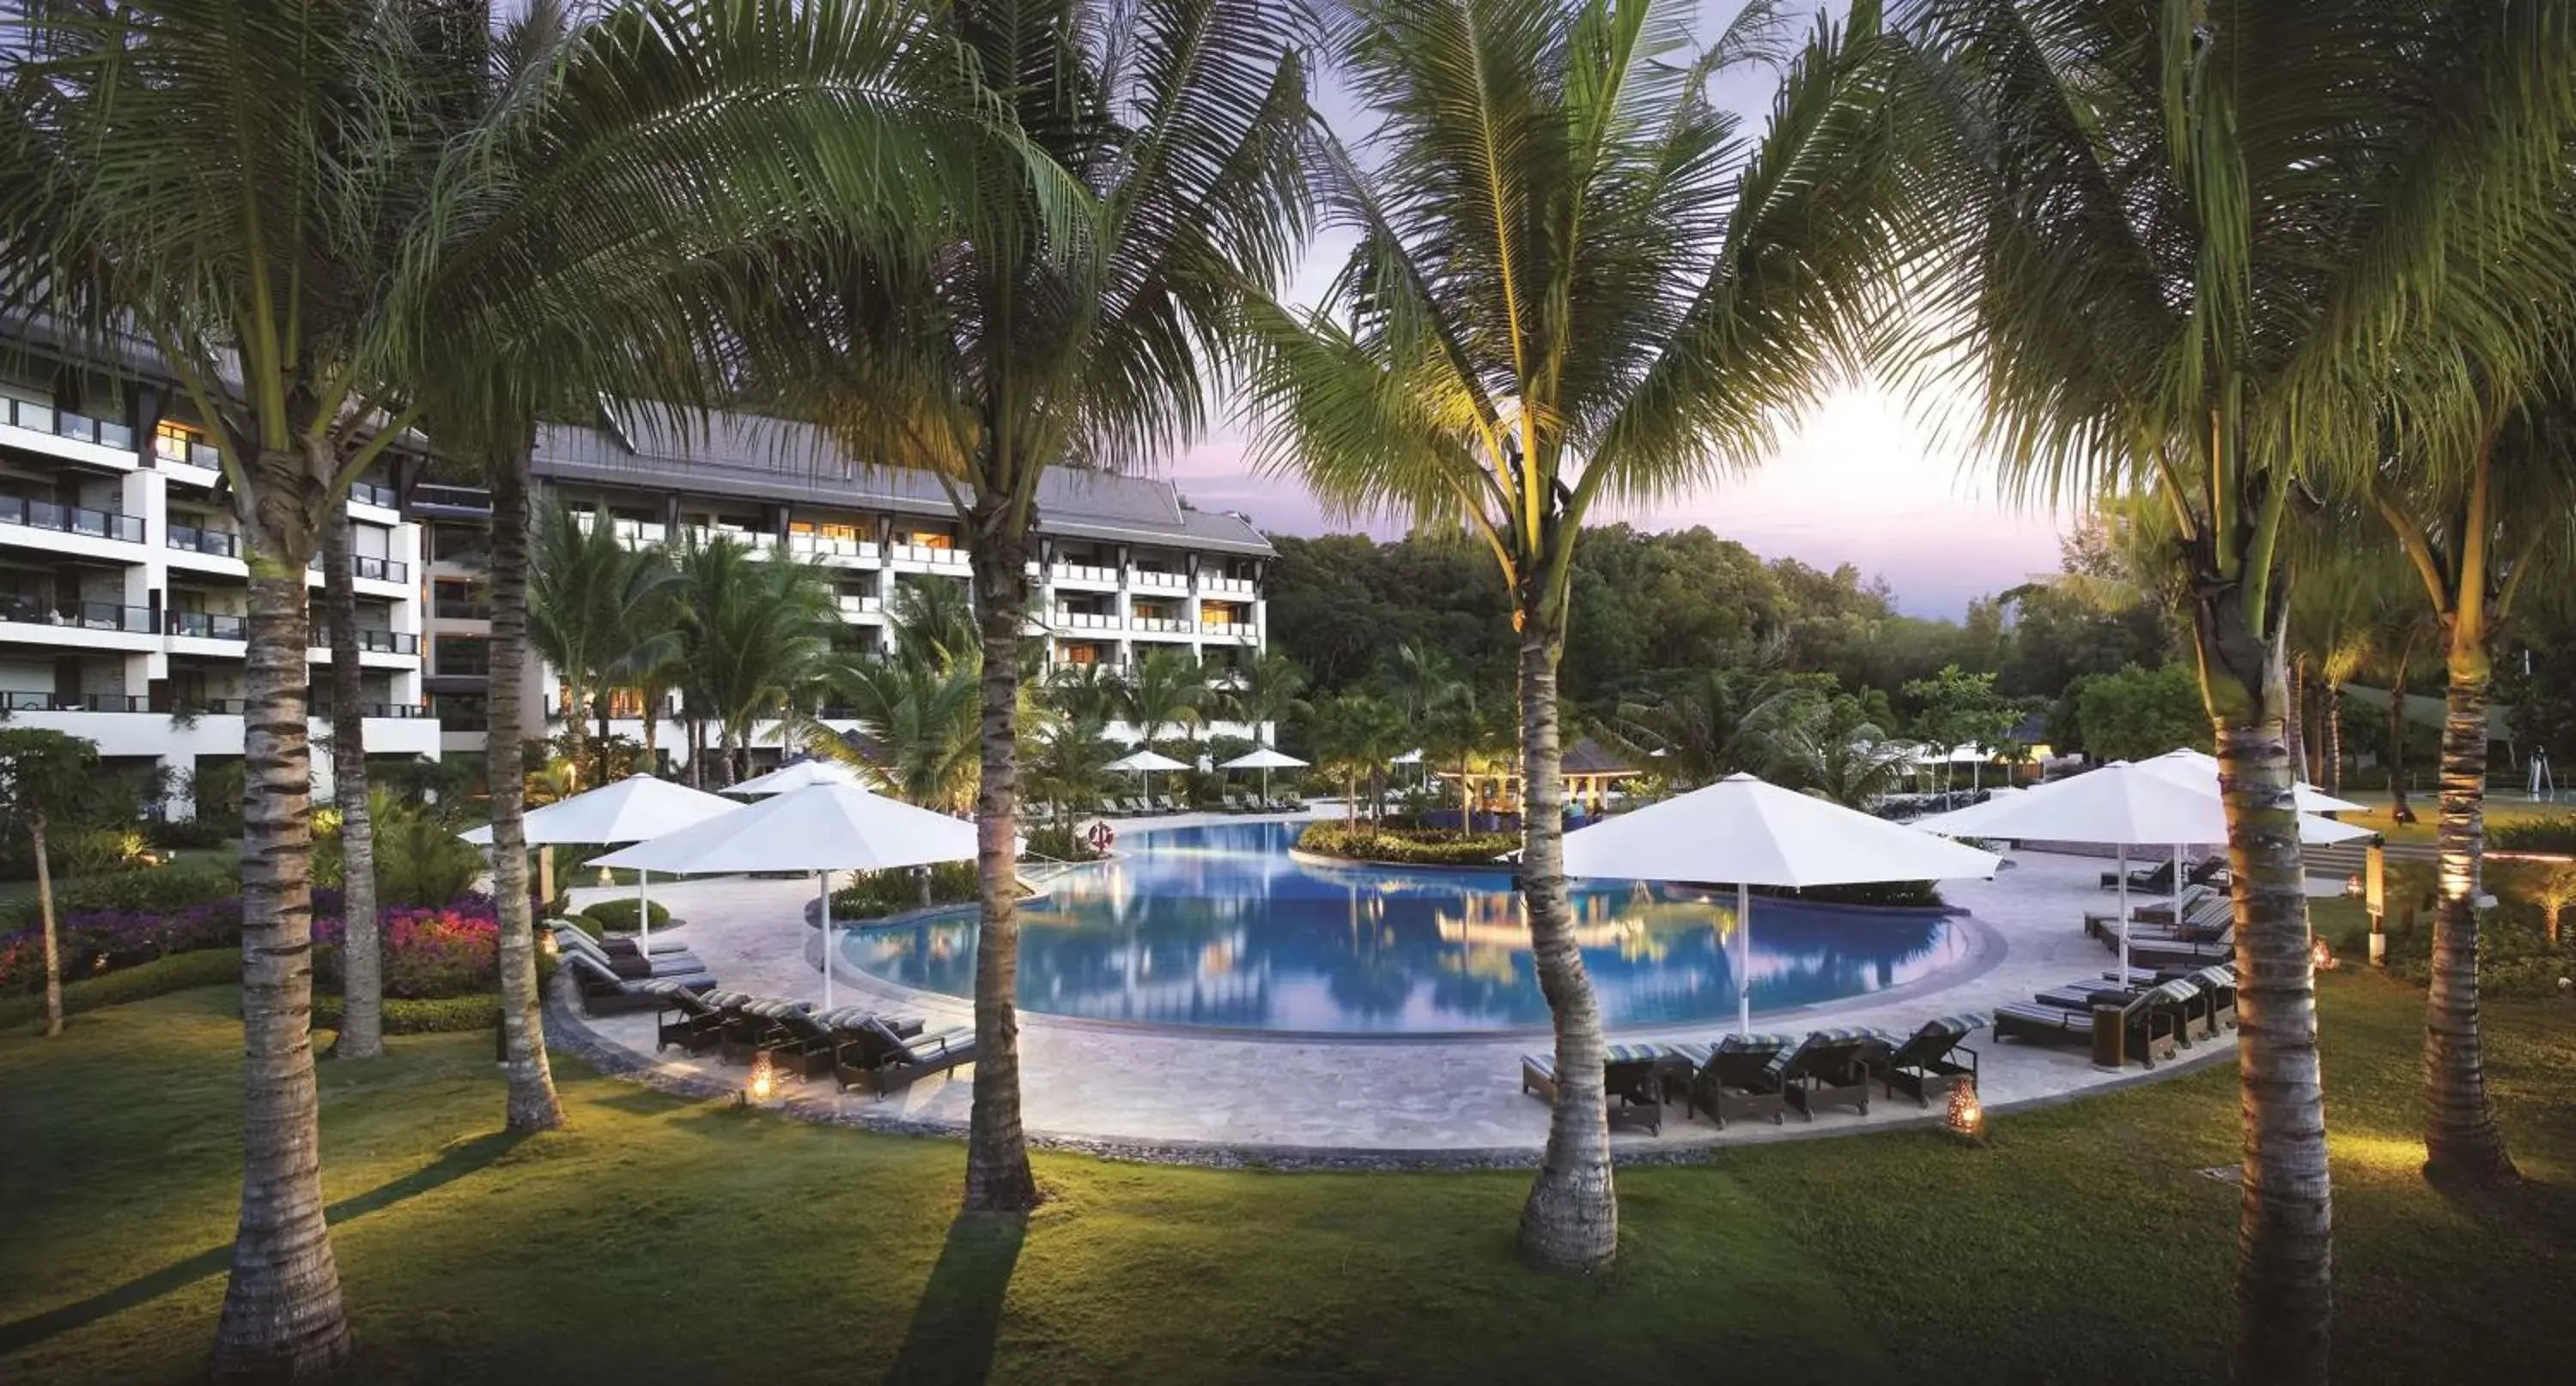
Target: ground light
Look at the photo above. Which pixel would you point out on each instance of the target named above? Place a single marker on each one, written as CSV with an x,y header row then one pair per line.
x,y
764,1081
2323,956
1967,1116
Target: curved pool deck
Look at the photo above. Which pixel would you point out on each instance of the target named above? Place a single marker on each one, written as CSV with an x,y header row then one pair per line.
x,y
1295,1099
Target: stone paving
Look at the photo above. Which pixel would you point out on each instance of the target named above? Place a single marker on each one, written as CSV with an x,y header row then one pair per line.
x,y
1231,1097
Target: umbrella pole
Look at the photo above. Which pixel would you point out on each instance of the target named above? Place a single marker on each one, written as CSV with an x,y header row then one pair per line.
x,y
643,915
2177,886
823,892
2123,869
1743,959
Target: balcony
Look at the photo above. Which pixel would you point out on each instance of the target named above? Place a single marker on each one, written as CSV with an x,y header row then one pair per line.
x,y
37,611
213,543
859,606
205,625
369,493
370,569
1159,625
1212,585
71,519
59,423
321,709
1226,628
459,501
461,608
1084,572
807,544
705,536
936,558
82,702
1087,620
183,453
371,641
1156,580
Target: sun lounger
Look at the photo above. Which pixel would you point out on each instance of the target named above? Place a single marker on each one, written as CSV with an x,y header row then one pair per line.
x,y
2157,878
755,1024
1924,1065
2198,904
603,992
633,967
623,945
1737,1077
879,1061
2180,953
1829,1067
689,1019
1632,1082
2151,1018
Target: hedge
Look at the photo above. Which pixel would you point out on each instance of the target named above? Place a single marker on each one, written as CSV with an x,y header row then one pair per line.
x,y
2552,835
177,972
154,890
616,915
480,1011
874,894
1408,847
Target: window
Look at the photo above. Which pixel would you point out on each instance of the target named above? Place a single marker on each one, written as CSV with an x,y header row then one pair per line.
x,y
461,656
926,539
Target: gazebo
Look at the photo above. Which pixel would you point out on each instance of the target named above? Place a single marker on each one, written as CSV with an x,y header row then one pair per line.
x,y
1589,771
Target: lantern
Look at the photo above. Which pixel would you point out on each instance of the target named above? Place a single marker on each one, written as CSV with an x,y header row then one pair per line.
x,y
1967,1117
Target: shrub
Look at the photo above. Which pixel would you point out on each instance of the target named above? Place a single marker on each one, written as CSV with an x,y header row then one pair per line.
x,y
191,834
874,894
412,1016
428,953
419,858
213,967
1407,847
617,915
159,889
91,852
2553,835
1060,841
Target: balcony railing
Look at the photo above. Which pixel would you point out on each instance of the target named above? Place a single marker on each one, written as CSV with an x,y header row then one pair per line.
x,y
1168,582
1225,586
186,452
320,708
1085,572
453,499
62,423
371,641
37,611
206,625
1226,627
71,519
860,606
461,608
215,543
830,546
937,558
1172,624
372,569
370,493
1087,620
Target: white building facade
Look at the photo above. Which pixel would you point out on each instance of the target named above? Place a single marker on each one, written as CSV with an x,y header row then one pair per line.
x,y
123,592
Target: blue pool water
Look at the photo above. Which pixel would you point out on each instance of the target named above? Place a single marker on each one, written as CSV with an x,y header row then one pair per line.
x,y
1218,926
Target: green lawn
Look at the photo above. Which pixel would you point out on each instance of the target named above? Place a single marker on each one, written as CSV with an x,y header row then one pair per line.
x,y
2502,807
663,1240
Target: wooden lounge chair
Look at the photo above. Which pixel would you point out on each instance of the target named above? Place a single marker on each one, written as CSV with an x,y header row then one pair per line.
x,y
2198,905
754,1024
800,1046
691,1020
603,992
2148,1017
625,945
879,1061
1924,1064
1739,1076
1632,1082
2180,953
2207,871
1828,1067
2155,879
634,967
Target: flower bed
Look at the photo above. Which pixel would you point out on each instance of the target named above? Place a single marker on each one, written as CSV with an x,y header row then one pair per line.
x,y
1408,846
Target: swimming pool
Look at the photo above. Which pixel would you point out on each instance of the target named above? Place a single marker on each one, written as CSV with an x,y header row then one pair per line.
x,y
1219,926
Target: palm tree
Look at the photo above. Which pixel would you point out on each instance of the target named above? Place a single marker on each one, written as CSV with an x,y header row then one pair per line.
x,y
1854,767
2187,256
1573,281
2475,527
921,702
1466,732
1355,735
578,245
1417,678
1711,724
1070,320
756,637
362,978
1165,690
1084,695
599,612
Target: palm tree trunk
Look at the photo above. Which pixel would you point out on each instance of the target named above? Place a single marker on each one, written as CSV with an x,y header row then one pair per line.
x,y
576,723
997,1153
531,1104
2285,1243
54,950
599,702
1571,1220
2460,1133
2295,728
2334,738
362,969
282,1313
2398,809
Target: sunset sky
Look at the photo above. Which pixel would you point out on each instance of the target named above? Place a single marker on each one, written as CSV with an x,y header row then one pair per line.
x,y
1858,482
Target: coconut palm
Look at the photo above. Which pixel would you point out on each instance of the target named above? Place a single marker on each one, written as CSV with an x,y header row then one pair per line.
x,y
1467,733
1071,320
2476,522
576,246
1575,280
600,613
1355,735
921,702
1084,695
756,637
1854,766
1167,689
1711,724
2191,243
1263,692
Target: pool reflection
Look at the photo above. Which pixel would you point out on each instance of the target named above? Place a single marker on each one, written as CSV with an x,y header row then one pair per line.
x,y
1218,926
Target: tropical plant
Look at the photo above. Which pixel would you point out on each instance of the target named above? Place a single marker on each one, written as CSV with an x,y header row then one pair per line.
x,y
2191,258
756,637
1166,689
1355,735
1710,725
1854,767
601,613
1083,695
1468,734
1068,768
1573,280
41,774
1263,693
2477,519
921,703
1069,320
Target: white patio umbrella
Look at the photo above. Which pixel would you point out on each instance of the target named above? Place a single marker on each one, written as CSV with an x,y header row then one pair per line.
x,y
630,810
1145,760
797,775
2197,768
821,828
1265,760
2124,804
1751,832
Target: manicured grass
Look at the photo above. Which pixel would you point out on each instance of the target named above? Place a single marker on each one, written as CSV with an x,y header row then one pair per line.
x,y
661,1239
2502,807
